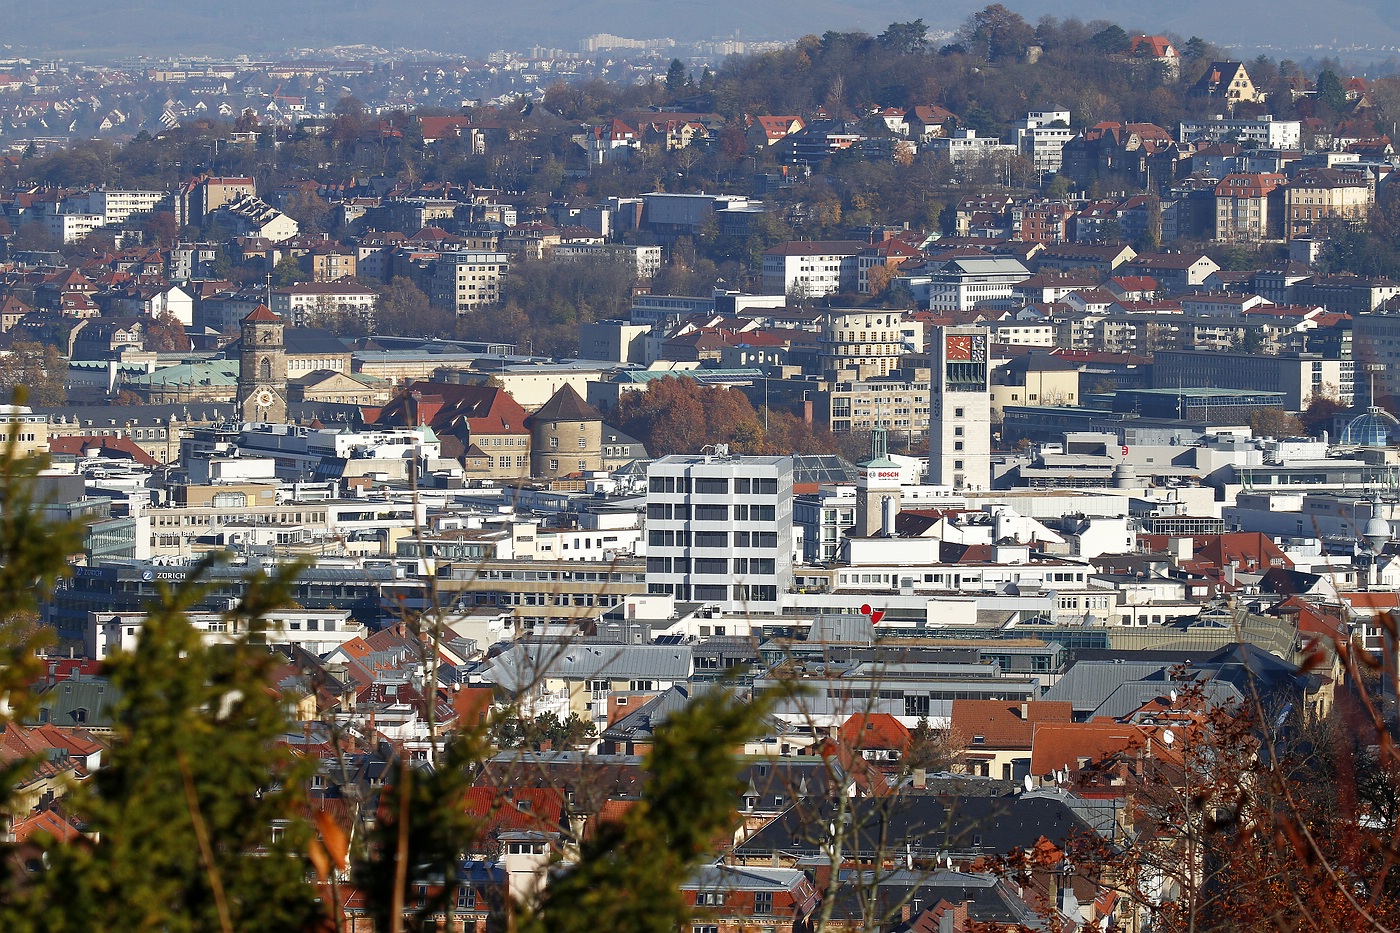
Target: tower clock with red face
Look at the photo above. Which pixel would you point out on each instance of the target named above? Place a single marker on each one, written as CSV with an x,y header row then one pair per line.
x,y
958,347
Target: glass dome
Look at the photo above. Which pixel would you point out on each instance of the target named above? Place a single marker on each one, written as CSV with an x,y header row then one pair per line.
x,y
1373,429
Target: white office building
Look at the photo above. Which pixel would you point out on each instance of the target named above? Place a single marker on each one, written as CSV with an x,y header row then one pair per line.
x,y
719,530
963,283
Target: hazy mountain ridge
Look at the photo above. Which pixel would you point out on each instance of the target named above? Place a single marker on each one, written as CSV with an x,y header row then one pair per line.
x,y
96,28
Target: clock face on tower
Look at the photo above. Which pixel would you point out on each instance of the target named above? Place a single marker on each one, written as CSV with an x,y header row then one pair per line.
x,y
263,398
957,347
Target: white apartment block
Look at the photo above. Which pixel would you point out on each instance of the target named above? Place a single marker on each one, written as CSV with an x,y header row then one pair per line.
x,y
117,206
966,145
1024,333
467,280
812,270
70,228
1042,143
1265,132
645,259
719,530
313,303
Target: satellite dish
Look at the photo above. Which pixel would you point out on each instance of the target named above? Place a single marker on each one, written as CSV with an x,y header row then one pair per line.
x,y
1168,737
1028,782
1173,696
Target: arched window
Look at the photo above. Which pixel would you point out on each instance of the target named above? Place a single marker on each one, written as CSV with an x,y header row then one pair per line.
x,y
265,369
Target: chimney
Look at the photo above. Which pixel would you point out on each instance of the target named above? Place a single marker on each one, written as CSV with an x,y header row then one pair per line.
x,y
1025,711
920,778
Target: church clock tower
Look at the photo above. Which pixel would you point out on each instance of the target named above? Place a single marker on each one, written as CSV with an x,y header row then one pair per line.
x,y
262,368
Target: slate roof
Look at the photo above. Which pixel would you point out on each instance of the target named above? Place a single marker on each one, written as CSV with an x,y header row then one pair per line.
x,y
935,822
817,248
642,721
312,340
565,405
990,900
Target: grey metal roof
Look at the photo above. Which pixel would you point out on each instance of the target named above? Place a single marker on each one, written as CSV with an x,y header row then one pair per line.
x,y
524,663
1087,684
841,628
736,878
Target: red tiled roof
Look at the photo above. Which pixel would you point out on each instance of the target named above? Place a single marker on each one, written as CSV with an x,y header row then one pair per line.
x,y
1056,745
45,821
523,809
1373,600
107,445
999,723
1155,46
260,314
874,730
1135,283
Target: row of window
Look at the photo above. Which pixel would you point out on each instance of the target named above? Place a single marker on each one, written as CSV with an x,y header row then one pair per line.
x,y
256,518
713,486
711,539
712,565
